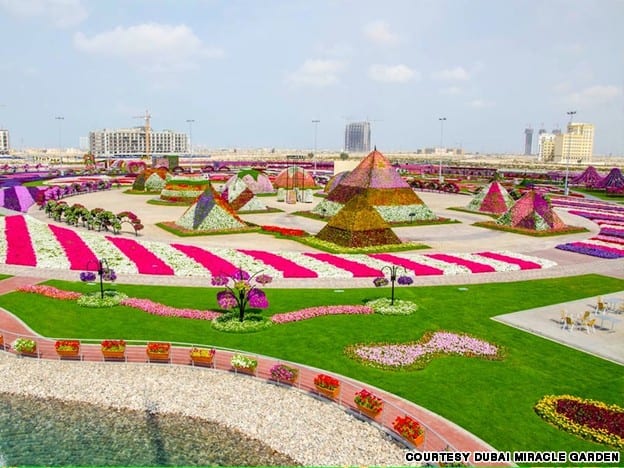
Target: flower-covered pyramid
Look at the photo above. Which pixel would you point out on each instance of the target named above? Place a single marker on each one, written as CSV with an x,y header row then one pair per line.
x,y
493,198
18,197
383,188
294,177
614,179
142,178
257,181
590,178
358,224
184,189
210,213
334,181
533,212
241,197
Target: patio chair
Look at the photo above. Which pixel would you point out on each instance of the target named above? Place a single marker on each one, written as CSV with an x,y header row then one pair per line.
x,y
589,325
569,324
601,307
562,319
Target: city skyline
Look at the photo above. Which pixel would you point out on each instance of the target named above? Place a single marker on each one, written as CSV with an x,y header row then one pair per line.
x,y
287,74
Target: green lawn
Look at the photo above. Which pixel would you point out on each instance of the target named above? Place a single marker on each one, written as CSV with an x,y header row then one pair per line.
x,y
492,399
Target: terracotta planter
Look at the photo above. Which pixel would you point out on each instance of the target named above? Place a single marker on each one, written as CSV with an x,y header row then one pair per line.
x,y
368,412
416,441
1,341
108,354
158,356
329,393
245,370
68,352
202,360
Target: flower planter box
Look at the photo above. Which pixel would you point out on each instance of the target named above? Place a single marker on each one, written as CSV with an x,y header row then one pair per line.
x,y
205,360
368,412
68,353
287,381
245,370
1,342
108,354
157,356
419,440
327,392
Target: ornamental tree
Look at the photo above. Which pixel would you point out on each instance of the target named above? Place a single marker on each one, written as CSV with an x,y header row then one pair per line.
x,y
241,291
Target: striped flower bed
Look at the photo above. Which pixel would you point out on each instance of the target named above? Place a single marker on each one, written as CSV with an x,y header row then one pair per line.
x,y
30,242
609,243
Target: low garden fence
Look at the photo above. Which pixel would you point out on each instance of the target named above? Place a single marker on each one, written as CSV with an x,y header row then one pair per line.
x,y
274,371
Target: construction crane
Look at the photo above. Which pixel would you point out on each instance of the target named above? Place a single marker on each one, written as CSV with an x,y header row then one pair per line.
x,y
147,118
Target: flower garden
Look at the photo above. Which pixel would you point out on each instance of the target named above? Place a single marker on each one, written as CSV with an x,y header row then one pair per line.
x,y
481,364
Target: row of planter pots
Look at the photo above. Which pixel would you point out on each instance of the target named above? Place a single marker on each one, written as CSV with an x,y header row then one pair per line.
x,y
367,403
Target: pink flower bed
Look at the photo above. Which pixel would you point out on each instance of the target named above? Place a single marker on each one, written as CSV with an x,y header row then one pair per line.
x,y
50,291
523,264
474,267
78,253
147,263
19,247
155,308
418,268
216,265
358,270
311,312
288,268
404,355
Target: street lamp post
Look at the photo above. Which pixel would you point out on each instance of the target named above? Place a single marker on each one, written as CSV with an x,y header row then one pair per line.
x,y
441,119
315,122
190,122
566,189
60,121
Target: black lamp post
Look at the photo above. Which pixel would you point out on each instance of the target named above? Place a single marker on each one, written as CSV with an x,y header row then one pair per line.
x,y
393,276
103,268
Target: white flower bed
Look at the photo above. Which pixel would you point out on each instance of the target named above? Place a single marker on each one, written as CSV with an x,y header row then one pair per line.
x,y
48,250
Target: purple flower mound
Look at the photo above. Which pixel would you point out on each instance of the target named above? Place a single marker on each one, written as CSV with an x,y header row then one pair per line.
x,y
226,300
586,250
405,280
257,299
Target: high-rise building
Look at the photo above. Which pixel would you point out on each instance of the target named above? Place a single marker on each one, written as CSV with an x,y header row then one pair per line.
x,y
357,137
528,141
574,146
132,142
4,141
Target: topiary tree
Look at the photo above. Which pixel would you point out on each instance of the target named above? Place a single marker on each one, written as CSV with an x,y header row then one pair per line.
x,y
241,291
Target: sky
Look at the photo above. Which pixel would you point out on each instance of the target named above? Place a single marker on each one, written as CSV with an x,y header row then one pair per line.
x,y
257,73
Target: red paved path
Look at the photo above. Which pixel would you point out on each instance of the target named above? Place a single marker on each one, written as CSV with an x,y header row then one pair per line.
x,y
441,433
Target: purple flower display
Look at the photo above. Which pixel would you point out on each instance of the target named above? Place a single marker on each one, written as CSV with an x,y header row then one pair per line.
x,y
405,280
241,292
87,276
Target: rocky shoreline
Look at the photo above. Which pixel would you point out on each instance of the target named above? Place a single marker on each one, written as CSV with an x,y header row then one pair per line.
x,y
309,431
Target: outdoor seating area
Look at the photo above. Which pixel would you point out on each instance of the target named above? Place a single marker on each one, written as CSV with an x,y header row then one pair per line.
x,y
592,325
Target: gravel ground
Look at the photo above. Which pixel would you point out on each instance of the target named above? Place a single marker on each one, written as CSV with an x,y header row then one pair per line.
x,y
312,432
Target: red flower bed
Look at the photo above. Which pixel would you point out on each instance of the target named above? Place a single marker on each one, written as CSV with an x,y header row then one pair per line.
x,y
592,416
285,231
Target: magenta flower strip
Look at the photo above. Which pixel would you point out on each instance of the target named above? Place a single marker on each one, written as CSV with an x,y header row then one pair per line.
x,y
311,312
19,246
155,308
417,354
50,291
145,261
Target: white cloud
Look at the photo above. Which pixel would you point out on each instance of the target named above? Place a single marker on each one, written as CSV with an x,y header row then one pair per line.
x,y
452,74
61,13
392,73
594,95
480,104
317,72
379,32
451,90
156,47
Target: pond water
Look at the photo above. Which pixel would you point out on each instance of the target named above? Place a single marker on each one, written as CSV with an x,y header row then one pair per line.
x,y
52,432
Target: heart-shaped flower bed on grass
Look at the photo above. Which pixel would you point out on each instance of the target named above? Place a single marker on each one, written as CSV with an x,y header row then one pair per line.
x,y
590,419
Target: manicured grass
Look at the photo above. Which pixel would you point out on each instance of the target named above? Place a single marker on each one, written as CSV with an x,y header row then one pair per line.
x,y
601,194
492,399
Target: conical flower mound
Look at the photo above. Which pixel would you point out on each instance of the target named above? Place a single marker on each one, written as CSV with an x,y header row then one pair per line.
x,y
382,187
210,213
533,212
590,178
614,179
493,198
358,224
